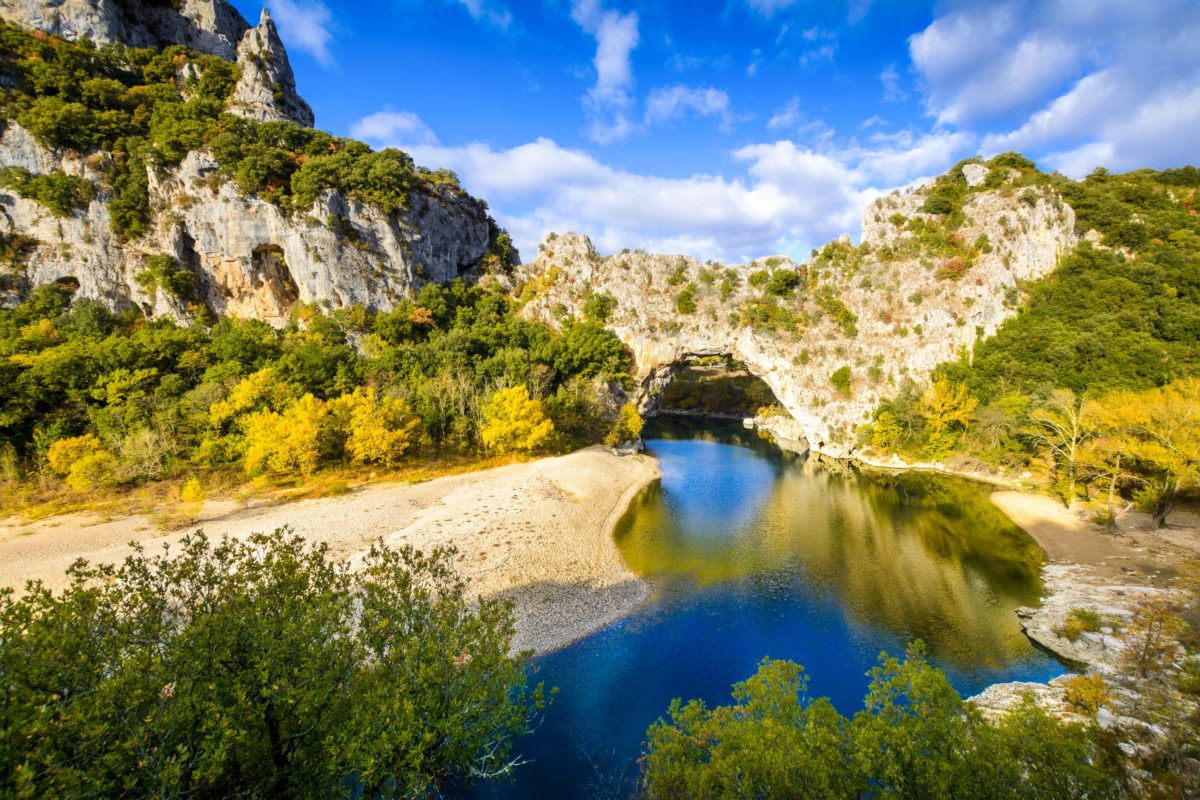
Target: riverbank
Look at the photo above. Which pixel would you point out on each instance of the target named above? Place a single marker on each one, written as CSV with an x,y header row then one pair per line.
x,y
1113,575
538,533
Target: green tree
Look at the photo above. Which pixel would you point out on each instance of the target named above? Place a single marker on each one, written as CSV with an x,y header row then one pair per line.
x,y
915,738
841,379
257,669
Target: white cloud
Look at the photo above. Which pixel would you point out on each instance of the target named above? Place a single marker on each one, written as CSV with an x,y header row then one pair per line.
x,y
609,100
1109,82
668,103
768,7
892,93
488,11
395,129
787,117
304,25
783,197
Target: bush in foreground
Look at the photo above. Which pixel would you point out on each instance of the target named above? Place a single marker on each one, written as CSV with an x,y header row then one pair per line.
x,y
915,738
257,669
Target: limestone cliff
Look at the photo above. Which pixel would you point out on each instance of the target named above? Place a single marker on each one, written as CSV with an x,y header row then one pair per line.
x,y
886,310
267,89
207,26
250,258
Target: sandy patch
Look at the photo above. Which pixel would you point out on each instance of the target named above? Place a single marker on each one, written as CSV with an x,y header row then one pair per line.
x,y
1135,555
538,533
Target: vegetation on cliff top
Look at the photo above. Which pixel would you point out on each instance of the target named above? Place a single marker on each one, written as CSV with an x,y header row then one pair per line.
x,y
1110,326
132,109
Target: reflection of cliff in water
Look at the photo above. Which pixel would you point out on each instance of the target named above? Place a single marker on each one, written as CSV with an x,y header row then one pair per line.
x,y
922,556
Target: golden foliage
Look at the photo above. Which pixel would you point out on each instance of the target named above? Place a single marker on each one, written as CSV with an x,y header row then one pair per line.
x,y
944,405
379,431
253,393
83,461
627,428
288,443
512,420
1088,693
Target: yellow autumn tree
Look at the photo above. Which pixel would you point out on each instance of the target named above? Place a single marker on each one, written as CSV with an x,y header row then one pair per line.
x,y
1159,433
512,420
944,406
255,392
288,443
378,431
82,461
627,428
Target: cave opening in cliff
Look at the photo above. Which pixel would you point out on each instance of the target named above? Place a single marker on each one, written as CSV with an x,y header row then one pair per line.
x,y
718,387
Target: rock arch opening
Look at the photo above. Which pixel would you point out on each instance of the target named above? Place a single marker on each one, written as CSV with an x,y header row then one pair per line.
x,y
715,386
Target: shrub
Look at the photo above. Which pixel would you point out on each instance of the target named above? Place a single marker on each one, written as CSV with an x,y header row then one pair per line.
x,y
258,668
1078,621
627,428
512,420
914,738
685,301
783,282
841,380
599,307
164,271
57,191
1087,693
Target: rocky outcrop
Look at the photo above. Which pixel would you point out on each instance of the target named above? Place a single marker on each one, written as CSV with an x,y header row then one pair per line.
x,y
266,90
207,26
250,258
908,316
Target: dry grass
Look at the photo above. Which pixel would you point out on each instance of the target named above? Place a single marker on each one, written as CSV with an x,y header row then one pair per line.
x,y
160,500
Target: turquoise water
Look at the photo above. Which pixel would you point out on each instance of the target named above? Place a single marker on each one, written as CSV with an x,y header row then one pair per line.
x,y
751,553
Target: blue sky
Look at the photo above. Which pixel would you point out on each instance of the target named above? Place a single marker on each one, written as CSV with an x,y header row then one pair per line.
x,y
742,128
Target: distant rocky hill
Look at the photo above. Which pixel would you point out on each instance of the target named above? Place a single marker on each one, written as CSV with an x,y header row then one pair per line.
x,y
164,174
831,337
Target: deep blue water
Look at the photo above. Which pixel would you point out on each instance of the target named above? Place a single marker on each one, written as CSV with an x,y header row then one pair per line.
x,y
754,553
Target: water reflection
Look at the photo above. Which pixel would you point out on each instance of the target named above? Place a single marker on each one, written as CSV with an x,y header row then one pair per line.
x,y
752,553
924,557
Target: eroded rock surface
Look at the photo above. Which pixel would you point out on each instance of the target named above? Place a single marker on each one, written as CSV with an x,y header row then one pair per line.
x,y
266,91
207,26
910,312
250,258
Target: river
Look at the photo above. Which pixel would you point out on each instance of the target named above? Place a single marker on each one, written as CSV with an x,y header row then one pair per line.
x,y
753,552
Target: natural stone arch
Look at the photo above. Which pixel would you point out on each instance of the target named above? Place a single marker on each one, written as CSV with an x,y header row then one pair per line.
x,y
852,307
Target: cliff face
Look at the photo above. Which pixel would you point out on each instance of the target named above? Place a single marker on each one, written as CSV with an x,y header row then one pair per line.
x,y
904,311
267,89
207,26
249,257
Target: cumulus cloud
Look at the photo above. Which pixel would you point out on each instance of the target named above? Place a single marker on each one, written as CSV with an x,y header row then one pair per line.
x,y
669,103
394,128
1105,83
783,197
304,25
609,100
